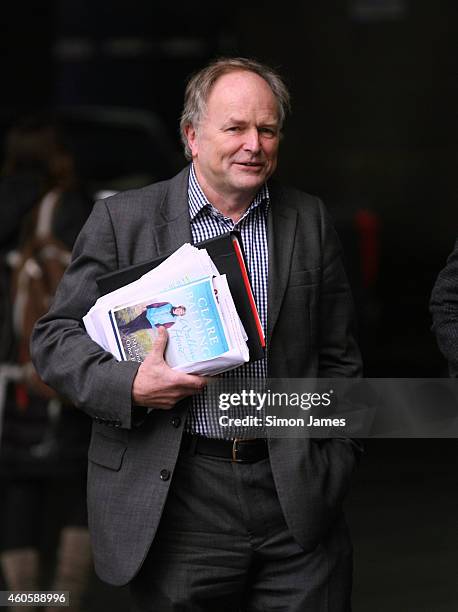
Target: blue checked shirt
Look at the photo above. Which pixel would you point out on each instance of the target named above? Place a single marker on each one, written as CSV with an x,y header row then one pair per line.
x,y
207,222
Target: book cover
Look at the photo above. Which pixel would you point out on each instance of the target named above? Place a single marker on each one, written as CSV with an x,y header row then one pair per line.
x,y
192,318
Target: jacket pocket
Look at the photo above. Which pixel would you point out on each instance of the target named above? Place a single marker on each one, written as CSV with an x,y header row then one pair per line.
x,y
107,452
304,277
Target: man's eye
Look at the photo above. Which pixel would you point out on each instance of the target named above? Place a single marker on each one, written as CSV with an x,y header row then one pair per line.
x,y
267,131
233,128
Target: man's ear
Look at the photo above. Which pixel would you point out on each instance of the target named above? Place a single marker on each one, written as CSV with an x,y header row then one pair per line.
x,y
191,137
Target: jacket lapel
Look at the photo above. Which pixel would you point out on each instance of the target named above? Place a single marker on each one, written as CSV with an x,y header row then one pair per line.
x,y
281,229
174,229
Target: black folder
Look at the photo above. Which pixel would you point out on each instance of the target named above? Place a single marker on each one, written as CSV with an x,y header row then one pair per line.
x,y
228,256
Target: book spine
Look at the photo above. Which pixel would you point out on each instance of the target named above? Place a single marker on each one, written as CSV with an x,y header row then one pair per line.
x,y
121,354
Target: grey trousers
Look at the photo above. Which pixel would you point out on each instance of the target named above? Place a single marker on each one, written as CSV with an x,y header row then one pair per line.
x,y
223,545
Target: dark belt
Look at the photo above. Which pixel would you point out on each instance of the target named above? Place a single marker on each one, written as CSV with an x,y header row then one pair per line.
x,y
237,450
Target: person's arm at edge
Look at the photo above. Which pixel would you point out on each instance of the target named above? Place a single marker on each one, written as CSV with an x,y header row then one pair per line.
x,y
444,310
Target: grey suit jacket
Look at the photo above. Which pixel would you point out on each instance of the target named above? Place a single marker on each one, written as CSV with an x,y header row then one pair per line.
x,y
310,334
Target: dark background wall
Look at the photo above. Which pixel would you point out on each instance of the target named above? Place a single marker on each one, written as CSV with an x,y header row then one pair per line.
x,y
374,127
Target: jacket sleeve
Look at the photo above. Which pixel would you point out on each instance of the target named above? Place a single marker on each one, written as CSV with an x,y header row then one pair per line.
x,y
65,356
444,309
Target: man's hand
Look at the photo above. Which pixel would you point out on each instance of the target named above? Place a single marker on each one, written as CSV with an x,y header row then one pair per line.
x,y
156,385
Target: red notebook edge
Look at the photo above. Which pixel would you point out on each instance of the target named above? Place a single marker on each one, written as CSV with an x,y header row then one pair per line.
x,y
248,289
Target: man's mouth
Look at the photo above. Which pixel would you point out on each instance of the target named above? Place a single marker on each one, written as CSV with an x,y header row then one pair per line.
x,y
250,164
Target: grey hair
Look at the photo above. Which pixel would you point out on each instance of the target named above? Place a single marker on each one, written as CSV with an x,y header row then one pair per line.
x,y
200,85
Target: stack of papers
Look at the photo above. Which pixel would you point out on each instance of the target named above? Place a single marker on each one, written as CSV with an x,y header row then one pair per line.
x,y
185,294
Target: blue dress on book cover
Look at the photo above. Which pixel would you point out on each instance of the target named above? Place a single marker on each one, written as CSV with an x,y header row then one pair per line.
x,y
192,318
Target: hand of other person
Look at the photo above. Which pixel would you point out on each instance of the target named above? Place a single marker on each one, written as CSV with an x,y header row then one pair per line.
x,y
157,385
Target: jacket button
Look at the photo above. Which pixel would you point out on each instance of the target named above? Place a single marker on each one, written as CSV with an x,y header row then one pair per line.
x,y
165,474
176,421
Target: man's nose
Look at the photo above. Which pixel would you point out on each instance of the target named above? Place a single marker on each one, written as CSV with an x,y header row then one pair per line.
x,y
252,142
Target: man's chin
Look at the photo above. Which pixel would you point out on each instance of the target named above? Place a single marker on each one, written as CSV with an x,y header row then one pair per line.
x,y
249,182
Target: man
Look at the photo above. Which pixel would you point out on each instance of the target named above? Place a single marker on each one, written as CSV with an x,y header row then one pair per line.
x,y
444,308
195,521
159,314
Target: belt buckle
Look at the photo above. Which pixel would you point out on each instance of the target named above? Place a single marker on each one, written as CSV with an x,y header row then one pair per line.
x,y
235,450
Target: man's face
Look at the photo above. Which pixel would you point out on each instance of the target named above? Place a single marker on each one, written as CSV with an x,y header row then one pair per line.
x,y
179,311
235,145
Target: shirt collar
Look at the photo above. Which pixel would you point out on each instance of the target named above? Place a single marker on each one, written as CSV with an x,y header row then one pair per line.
x,y
198,200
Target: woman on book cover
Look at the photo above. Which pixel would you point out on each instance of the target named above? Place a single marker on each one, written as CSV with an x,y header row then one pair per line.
x,y
154,315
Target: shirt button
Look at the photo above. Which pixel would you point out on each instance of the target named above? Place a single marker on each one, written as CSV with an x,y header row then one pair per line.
x,y
165,474
176,421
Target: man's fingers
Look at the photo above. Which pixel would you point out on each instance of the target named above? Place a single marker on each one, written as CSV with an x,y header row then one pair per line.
x,y
159,344
191,381
157,385
162,338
